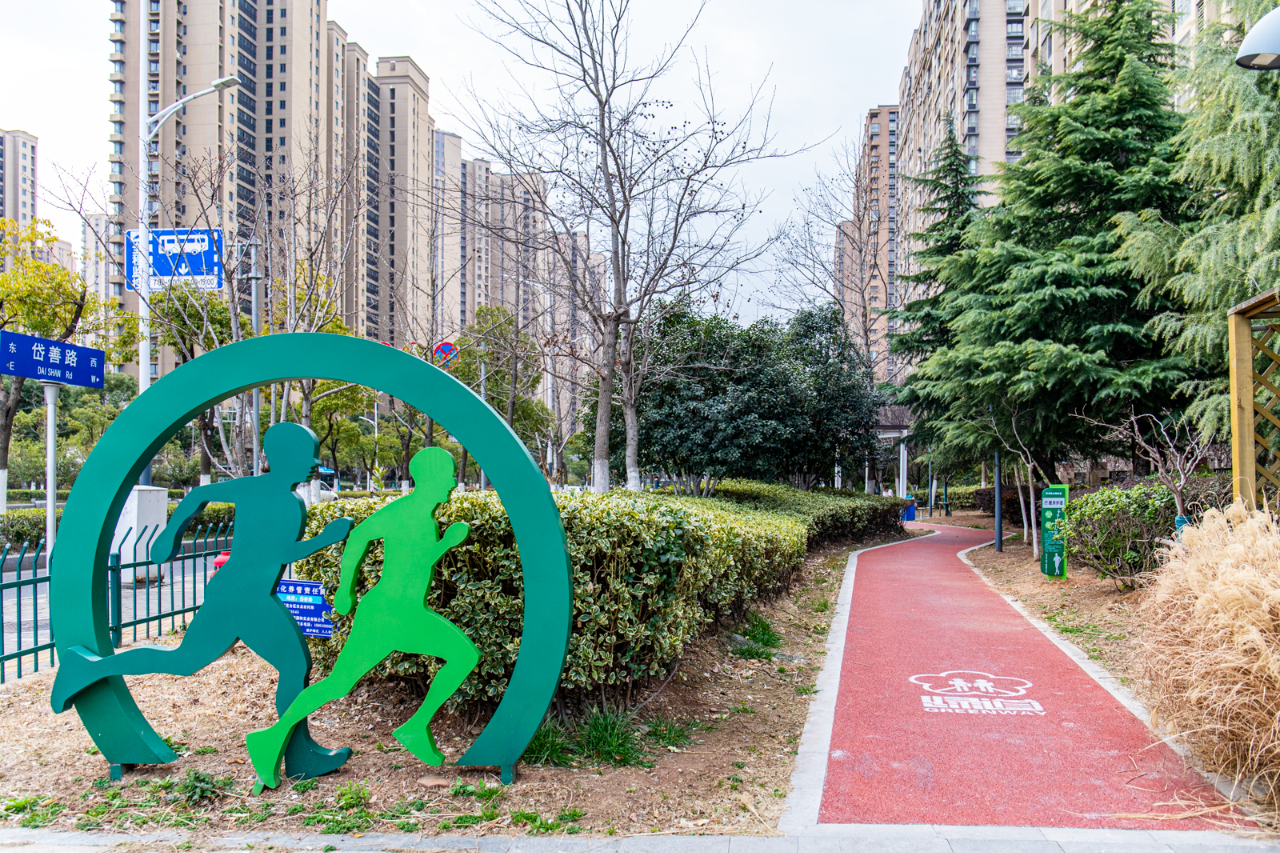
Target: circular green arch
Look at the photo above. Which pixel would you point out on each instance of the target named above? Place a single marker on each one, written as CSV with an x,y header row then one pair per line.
x,y
78,564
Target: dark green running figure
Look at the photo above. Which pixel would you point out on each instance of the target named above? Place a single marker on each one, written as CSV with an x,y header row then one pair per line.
x,y
239,601
393,615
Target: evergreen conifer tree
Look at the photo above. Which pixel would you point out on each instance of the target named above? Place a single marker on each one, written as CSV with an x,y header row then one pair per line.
x,y
951,188
1048,321
1224,248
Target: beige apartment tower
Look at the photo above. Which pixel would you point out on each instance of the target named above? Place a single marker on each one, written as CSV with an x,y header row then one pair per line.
x,y
18,176
866,260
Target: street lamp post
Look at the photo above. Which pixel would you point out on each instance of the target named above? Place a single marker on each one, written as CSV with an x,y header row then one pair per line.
x,y
149,130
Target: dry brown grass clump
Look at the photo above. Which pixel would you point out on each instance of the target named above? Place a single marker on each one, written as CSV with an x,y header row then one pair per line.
x,y
1210,649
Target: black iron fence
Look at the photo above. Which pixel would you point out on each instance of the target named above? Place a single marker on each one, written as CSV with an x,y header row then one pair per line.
x,y
142,596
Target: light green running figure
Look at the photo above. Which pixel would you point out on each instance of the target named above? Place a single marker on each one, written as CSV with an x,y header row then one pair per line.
x,y
393,616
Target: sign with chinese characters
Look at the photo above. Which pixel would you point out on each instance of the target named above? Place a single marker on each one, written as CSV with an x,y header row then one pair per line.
x,y
965,692
178,256
51,361
305,600
1053,551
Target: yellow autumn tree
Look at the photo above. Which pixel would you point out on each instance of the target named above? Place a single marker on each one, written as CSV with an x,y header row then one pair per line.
x,y
39,296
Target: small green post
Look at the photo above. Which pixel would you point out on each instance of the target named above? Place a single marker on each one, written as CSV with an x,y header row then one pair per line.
x,y
1053,551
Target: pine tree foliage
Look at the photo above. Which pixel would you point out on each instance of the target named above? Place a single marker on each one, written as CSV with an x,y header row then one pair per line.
x,y
1046,319
1224,246
951,189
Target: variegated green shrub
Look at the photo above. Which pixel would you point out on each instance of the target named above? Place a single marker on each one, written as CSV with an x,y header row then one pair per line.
x,y
651,573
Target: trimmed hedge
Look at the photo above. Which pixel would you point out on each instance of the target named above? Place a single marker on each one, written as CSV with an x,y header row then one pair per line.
x,y
828,514
22,496
962,497
22,526
651,573
985,500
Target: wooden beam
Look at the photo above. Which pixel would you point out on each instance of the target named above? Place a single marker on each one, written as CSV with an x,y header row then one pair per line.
x,y
1243,454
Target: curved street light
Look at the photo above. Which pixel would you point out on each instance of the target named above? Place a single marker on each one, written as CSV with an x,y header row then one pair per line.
x,y
1260,50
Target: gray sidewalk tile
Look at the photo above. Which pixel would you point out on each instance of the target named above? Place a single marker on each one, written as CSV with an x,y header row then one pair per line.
x,y
994,845
1209,840
892,845
995,833
1114,847
674,844
1231,846
872,831
1122,836
748,844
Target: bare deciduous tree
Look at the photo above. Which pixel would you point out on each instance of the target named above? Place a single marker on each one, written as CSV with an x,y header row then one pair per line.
x,y
600,153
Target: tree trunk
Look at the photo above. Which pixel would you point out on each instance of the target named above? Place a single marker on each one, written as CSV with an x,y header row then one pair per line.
x,y
1022,504
462,475
8,411
632,419
604,408
1031,495
206,437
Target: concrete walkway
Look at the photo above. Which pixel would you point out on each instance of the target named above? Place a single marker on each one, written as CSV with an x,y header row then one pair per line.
x,y
814,825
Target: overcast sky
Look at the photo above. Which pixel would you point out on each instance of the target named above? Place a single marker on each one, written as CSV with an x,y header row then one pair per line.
x,y
826,62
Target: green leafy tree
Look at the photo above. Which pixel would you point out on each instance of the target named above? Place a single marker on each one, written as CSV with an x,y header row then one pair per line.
x,y
40,297
512,364
1049,320
1223,247
951,202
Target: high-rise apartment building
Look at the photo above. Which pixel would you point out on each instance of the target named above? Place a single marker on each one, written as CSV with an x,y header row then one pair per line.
x,y
18,176
967,66
866,259
321,155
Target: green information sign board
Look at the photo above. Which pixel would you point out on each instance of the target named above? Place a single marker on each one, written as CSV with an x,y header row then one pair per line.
x,y
1053,556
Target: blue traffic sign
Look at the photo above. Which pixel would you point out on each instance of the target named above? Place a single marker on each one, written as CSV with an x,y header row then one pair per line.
x,y
305,600
51,361
178,256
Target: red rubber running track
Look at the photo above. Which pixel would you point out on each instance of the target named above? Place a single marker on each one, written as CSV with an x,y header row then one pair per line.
x,y
999,728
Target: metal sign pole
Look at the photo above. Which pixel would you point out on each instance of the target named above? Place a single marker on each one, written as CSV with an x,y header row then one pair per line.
x,y
50,464
999,508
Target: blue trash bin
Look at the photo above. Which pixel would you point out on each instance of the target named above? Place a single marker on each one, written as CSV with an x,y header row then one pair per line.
x,y
909,514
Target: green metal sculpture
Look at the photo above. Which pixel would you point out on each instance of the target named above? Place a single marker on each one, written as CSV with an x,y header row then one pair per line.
x,y
239,601
78,601
392,617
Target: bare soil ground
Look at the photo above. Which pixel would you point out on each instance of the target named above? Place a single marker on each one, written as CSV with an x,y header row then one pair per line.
x,y
744,716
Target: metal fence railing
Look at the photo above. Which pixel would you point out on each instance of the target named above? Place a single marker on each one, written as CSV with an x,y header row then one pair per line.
x,y
141,595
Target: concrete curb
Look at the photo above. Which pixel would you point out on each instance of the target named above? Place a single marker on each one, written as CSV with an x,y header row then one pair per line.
x,y
810,776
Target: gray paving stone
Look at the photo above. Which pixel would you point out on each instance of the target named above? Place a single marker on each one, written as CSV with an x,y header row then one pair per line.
x,y
748,844
1114,847
1228,847
1121,836
892,845
673,844
1210,840
921,832
997,845
994,833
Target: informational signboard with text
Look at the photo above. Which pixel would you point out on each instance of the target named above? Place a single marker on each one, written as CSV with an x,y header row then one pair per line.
x,y
305,600
1053,551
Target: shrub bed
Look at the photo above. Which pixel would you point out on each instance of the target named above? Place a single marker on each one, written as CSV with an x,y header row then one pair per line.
x,y
828,514
651,573
1210,663
22,526
985,501
962,497
1115,532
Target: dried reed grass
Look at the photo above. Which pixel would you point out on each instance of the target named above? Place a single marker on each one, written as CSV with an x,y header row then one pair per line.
x,y
1209,662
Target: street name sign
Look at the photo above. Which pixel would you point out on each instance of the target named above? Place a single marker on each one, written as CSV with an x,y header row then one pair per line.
x,y
51,361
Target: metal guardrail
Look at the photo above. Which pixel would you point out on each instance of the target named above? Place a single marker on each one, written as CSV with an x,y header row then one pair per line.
x,y
141,595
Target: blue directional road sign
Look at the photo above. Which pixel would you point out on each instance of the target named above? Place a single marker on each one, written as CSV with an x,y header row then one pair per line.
x,y
305,600
51,361
178,256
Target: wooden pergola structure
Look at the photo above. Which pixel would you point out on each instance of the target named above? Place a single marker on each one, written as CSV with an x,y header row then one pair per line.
x,y
1254,333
